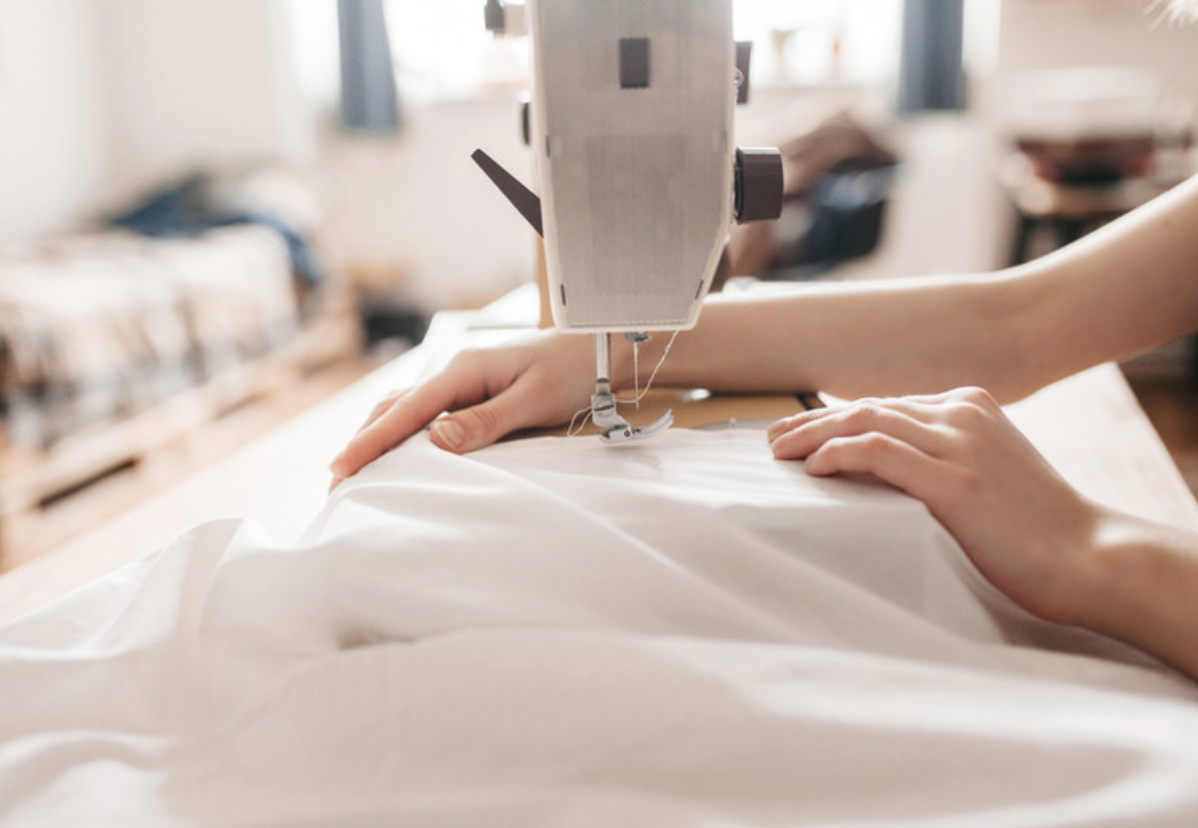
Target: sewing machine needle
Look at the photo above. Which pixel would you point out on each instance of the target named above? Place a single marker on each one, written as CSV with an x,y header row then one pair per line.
x,y
612,427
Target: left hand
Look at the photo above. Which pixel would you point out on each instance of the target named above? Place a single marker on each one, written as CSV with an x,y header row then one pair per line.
x,y
1024,527
480,396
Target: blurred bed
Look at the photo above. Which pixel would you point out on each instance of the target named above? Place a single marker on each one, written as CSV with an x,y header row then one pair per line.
x,y
99,326
121,337
552,632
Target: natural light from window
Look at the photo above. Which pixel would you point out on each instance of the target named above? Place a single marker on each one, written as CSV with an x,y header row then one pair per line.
x,y
442,50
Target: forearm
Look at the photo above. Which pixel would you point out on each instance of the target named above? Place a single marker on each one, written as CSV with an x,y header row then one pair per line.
x,y
1126,288
851,339
1141,587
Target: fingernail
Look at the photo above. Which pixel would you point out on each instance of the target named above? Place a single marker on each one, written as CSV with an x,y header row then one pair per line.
x,y
336,462
448,433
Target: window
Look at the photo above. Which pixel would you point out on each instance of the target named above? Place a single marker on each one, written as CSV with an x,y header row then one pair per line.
x,y
817,42
442,50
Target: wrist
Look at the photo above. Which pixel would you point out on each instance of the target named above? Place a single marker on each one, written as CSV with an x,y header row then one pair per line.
x,y
1111,575
1140,587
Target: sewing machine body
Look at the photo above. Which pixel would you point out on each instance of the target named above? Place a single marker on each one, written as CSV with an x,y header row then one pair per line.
x,y
631,125
638,178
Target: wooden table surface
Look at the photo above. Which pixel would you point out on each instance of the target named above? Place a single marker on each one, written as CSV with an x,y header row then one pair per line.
x,y
1089,426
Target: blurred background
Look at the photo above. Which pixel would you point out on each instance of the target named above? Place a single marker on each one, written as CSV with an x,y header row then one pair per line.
x,y
216,213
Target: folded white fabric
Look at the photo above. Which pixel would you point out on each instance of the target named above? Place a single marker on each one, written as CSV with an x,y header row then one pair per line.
x,y
552,632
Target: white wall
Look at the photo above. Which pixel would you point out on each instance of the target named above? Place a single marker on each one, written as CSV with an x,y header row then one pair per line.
x,y
53,140
195,82
417,203
100,99
1049,34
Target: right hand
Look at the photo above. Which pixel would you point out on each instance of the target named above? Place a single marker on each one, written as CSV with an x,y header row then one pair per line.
x,y
1027,530
480,396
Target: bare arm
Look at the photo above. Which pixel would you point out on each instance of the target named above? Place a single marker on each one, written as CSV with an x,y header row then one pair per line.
x,y
1120,291
1126,288
1144,588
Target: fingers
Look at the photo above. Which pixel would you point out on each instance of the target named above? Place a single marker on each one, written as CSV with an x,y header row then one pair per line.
x,y
892,460
380,409
904,442
780,427
909,420
487,395
393,421
483,424
929,446
942,408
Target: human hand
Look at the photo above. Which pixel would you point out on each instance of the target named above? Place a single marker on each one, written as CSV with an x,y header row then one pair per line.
x,y
540,380
1021,524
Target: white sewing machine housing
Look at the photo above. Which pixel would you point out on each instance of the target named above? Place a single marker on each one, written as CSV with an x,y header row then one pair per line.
x,y
632,131
631,126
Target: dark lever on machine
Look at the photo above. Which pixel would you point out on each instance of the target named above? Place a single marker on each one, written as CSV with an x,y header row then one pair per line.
x,y
523,199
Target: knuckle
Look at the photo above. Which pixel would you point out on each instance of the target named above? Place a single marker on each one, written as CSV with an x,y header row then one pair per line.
x,y
857,451
467,359
977,397
969,414
874,446
962,446
865,415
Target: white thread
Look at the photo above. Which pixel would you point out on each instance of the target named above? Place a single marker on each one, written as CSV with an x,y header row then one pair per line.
x,y
636,385
571,431
636,373
575,428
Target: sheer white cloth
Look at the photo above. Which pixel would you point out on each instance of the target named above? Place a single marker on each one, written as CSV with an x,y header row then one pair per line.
x,y
552,632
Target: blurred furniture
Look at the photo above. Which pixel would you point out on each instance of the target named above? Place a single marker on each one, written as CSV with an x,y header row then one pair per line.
x,y
838,179
1087,146
128,349
1053,213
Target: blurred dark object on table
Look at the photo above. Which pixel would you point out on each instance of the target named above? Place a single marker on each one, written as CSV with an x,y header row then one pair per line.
x,y
1087,146
1089,159
838,176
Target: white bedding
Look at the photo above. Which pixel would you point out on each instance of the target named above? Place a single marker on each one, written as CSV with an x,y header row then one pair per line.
x,y
556,633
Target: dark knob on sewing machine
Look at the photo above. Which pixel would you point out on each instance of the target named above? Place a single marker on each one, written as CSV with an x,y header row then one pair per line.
x,y
758,184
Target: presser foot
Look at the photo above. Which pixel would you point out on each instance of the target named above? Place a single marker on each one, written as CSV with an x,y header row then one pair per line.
x,y
615,429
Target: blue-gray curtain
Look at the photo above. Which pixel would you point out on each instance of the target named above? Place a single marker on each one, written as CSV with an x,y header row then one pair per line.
x,y
369,102
931,75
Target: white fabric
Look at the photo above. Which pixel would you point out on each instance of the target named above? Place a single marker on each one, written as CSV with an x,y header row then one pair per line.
x,y
558,633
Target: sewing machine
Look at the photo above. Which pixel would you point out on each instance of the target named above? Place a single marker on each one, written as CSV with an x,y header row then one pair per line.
x,y
631,124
